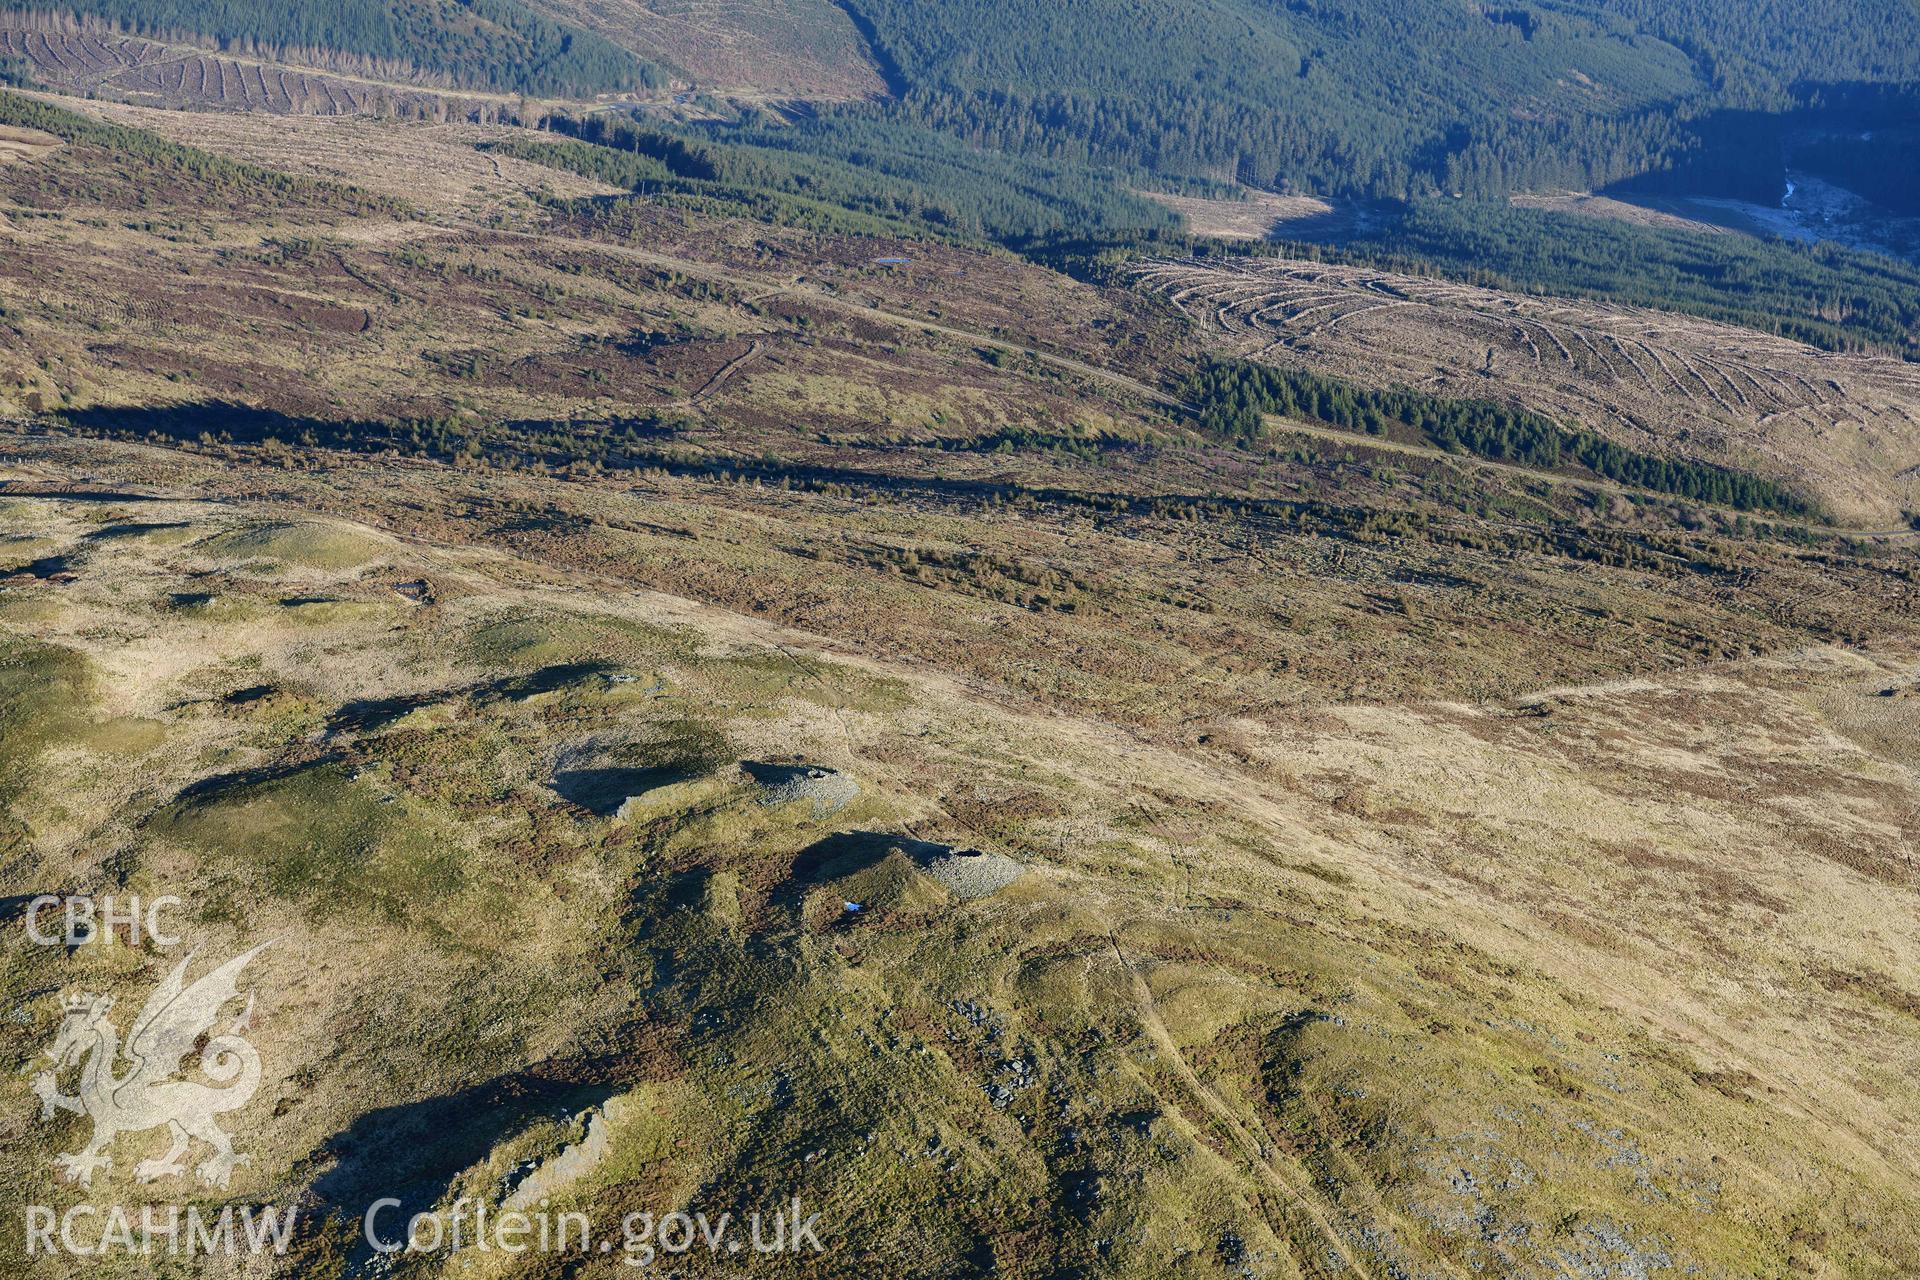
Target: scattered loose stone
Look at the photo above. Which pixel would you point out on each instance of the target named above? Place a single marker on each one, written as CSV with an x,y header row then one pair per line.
x,y
828,789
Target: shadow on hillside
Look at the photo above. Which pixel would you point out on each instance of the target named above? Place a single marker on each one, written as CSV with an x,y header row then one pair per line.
x,y
540,441
846,853
604,791
362,715
412,1152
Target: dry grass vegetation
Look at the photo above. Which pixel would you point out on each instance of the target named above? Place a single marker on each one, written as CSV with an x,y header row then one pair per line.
x,y
1257,215
790,48
179,77
432,166
1842,425
1429,870
1645,213
25,144
1553,963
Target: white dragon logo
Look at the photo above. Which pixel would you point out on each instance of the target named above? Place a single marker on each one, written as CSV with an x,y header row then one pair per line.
x,y
146,1096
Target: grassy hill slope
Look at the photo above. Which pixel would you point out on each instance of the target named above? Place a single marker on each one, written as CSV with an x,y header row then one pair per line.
x,y
1606,979
1425,867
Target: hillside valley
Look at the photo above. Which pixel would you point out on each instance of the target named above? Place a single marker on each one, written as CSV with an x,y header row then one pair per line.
x,y
990,629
